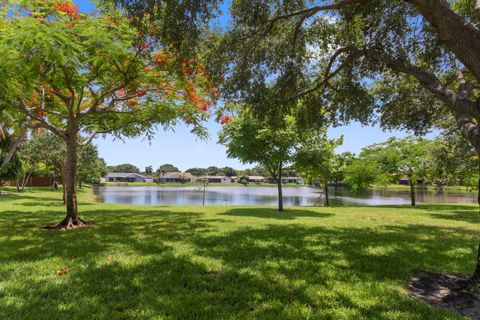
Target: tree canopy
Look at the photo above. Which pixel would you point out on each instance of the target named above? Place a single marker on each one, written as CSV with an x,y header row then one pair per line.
x,y
79,74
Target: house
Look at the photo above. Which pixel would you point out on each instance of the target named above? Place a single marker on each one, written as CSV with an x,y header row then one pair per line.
x,y
285,180
256,179
175,177
219,179
124,177
148,179
296,180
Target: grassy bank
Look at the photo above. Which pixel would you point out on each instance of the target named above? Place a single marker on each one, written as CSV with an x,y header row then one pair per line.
x,y
226,262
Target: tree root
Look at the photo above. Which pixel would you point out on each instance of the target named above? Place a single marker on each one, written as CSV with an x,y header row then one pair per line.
x,y
69,223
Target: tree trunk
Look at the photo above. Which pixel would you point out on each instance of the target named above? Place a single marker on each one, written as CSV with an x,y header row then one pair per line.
x,y
72,219
280,194
412,192
325,189
476,274
458,35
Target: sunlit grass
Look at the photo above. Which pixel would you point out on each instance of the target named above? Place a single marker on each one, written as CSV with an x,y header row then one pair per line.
x,y
226,262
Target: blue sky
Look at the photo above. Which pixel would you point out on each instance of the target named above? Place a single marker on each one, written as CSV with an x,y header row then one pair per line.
x,y
182,149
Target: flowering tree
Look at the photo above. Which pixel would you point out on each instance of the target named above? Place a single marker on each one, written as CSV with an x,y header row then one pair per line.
x,y
83,75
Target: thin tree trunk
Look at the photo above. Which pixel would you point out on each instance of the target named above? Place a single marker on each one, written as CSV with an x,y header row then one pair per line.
x,y
70,180
280,194
412,192
327,196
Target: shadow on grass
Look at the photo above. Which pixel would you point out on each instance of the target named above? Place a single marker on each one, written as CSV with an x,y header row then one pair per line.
x,y
271,213
182,265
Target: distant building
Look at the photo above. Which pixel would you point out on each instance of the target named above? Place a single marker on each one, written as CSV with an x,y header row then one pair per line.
x,y
296,180
256,179
285,180
148,179
218,179
175,177
124,177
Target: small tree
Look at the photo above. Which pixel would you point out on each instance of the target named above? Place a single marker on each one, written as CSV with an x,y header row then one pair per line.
x,y
244,181
253,140
76,74
316,159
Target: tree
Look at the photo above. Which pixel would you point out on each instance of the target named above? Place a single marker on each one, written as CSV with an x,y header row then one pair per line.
x,y
75,74
8,169
422,55
243,180
125,167
316,159
361,174
406,157
165,168
453,160
387,162
149,170
252,140
341,163
229,172
91,167
197,171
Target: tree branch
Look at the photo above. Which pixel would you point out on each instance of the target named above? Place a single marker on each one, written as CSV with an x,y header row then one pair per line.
x,y
25,110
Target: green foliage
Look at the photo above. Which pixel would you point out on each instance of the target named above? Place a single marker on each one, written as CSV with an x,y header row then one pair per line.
x,y
316,158
91,168
126,167
165,168
361,174
252,140
243,180
119,81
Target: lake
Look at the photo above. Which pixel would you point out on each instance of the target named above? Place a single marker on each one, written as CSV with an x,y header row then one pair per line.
x,y
267,196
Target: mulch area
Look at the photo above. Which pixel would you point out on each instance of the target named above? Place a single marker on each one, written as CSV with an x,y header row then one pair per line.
x,y
446,291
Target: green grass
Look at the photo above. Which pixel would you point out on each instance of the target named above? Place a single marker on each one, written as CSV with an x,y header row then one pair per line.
x,y
226,262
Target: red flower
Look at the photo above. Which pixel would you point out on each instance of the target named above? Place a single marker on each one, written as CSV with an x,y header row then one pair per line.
x,y
225,119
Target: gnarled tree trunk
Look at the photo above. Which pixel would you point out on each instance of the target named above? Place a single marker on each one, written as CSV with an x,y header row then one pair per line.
x,y
72,220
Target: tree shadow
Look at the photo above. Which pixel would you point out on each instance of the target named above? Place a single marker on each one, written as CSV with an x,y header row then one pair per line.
x,y
186,265
271,213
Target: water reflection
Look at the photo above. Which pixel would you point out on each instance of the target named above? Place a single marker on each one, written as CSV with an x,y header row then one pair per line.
x,y
267,196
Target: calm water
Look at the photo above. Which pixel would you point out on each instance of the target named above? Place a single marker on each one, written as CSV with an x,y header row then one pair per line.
x,y
267,196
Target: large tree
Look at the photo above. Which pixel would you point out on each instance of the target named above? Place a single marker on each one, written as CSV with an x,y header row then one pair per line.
x,y
404,64
77,75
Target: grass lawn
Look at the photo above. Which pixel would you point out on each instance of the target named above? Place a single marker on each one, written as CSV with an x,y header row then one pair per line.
x,y
226,262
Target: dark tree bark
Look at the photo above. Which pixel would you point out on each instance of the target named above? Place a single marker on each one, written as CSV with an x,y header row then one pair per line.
x,y
326,191
412,192
280,191
476,274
